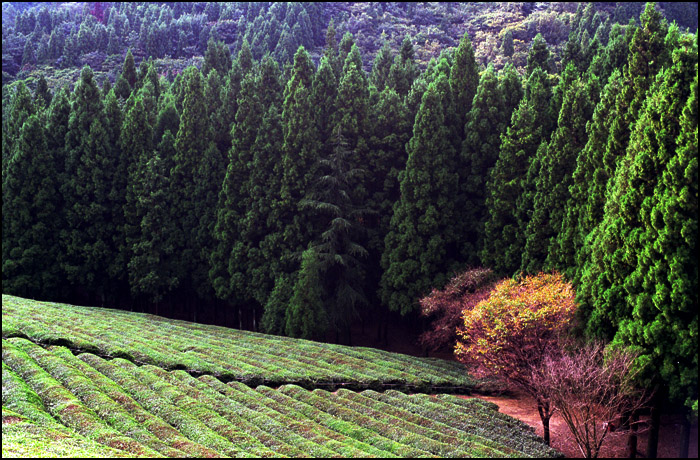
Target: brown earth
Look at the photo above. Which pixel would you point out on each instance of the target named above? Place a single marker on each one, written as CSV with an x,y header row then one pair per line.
x,y
523,407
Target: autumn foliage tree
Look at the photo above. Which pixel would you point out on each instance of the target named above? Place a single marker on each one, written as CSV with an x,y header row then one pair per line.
x,y
510,333
444,307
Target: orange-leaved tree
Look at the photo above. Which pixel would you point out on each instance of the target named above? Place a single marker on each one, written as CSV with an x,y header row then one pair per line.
x,y
509,334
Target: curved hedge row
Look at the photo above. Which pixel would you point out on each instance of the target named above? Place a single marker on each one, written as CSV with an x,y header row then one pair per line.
x,y
228,354
114,405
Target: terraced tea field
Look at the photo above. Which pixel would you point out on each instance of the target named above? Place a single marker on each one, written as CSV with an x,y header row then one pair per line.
x,y
98,382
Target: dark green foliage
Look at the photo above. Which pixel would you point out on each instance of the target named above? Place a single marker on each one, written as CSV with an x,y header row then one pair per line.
x,y
129,70
42,95
641,276
507,43
273,319
217,57
504,229
421,246
299,162
137,148
381,67
404,70
89,167
464,79
22,107
482,131
352,102
168,120
195,181
228,269
554,178
151,266
324,94
306,316
254,157
538,56
338,248
593,170
30,209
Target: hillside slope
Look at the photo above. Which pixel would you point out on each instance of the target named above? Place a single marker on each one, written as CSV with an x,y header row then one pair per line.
x,y
139,391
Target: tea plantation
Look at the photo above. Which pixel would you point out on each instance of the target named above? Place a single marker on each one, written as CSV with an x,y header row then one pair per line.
x,y
106,383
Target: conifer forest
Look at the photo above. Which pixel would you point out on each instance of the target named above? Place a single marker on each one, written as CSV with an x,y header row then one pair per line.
x,y
307,169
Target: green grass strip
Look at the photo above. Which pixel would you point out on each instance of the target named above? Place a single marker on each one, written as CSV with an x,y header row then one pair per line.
x,y
21,438
123,373
62,404
235,414
476,417
297,430
113,405
474,445
352,429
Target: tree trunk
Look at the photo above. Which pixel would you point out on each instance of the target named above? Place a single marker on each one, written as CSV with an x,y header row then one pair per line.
x,y
685,437
653,442
544,416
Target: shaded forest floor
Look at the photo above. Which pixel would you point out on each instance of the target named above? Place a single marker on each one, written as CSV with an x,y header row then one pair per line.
x,y
523,407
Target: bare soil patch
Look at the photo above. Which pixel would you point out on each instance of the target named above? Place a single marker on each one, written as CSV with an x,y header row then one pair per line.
x,y
524,408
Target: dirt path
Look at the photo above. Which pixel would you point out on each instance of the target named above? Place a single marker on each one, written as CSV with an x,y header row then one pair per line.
x,y
524,408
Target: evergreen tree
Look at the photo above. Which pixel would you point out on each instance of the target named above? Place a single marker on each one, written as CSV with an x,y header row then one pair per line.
x,y
30,208
216,57
485,123
151,267
504,228
87,237
512,89
552,188
137,151
196,177
645,293
42,95
324,94
593,170
381,67
305,316
330,51
293,226
507,43
421,246
464,79
663,288
129,69
404,69
538,56
228,269
300,156
22,108
644,60
339,249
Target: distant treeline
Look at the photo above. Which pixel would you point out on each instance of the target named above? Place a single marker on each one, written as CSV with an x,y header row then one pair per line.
x,y
301,199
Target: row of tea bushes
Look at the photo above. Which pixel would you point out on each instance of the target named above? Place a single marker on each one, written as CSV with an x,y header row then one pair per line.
x,y
144,410
228,354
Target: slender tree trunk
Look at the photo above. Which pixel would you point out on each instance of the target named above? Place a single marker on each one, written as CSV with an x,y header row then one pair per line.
x,y
544,416
653,442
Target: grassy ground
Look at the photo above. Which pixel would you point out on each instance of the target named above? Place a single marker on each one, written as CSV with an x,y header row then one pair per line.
x,y
97,382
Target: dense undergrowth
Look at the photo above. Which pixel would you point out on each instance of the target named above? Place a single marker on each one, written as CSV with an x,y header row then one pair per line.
x,y
126,384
